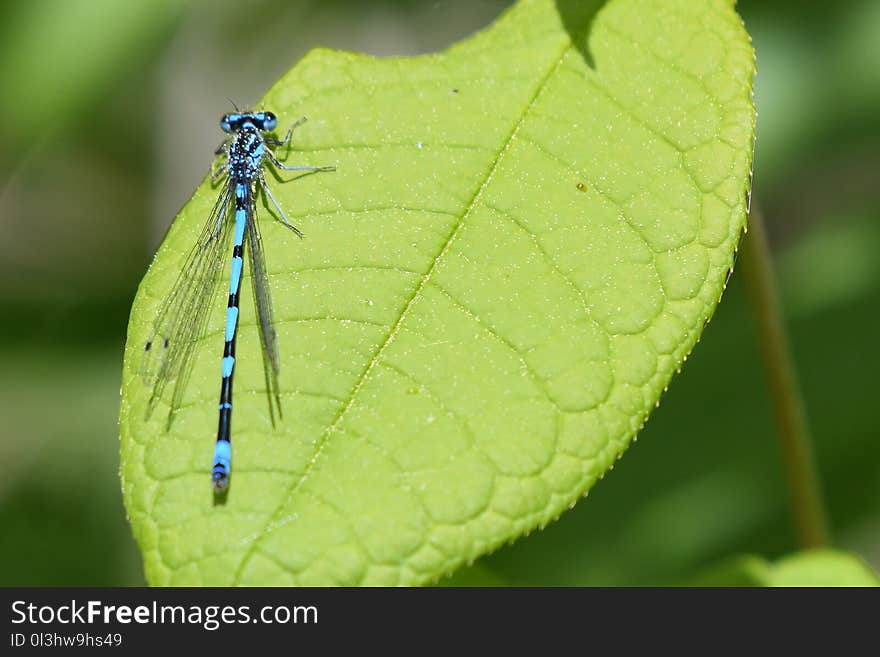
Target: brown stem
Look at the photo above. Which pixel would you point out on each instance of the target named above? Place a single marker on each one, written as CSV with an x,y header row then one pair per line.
x,y
788,406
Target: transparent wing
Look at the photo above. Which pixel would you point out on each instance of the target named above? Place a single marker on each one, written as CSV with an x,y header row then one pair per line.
x,y
265,316
182,317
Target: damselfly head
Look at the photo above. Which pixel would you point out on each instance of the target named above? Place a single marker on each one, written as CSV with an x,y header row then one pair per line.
x,y
235,121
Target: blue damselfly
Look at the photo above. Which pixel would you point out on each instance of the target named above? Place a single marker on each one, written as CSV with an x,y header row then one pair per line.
x,y
182,316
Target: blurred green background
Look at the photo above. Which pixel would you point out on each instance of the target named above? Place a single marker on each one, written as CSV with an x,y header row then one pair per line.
x,y
109,119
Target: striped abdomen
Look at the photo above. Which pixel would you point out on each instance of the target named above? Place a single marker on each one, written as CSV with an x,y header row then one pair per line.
x,y
223,448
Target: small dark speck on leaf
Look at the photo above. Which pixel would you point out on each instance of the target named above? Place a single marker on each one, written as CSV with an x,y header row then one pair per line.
x,y
582,187
455,91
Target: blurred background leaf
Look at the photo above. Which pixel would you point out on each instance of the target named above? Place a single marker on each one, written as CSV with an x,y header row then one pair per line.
x,y
63,55
89,184
811,568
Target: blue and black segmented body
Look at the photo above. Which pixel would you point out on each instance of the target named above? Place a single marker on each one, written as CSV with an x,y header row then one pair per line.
x,y
244,165
182,316
223,448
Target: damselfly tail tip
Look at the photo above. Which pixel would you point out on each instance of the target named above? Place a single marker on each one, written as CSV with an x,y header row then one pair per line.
x,y
220,480
222,462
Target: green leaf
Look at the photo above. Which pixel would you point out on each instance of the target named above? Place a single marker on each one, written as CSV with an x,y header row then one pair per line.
x,y
522,242
812,568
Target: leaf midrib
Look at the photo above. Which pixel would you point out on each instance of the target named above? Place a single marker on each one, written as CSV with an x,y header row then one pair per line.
x,y
273,522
